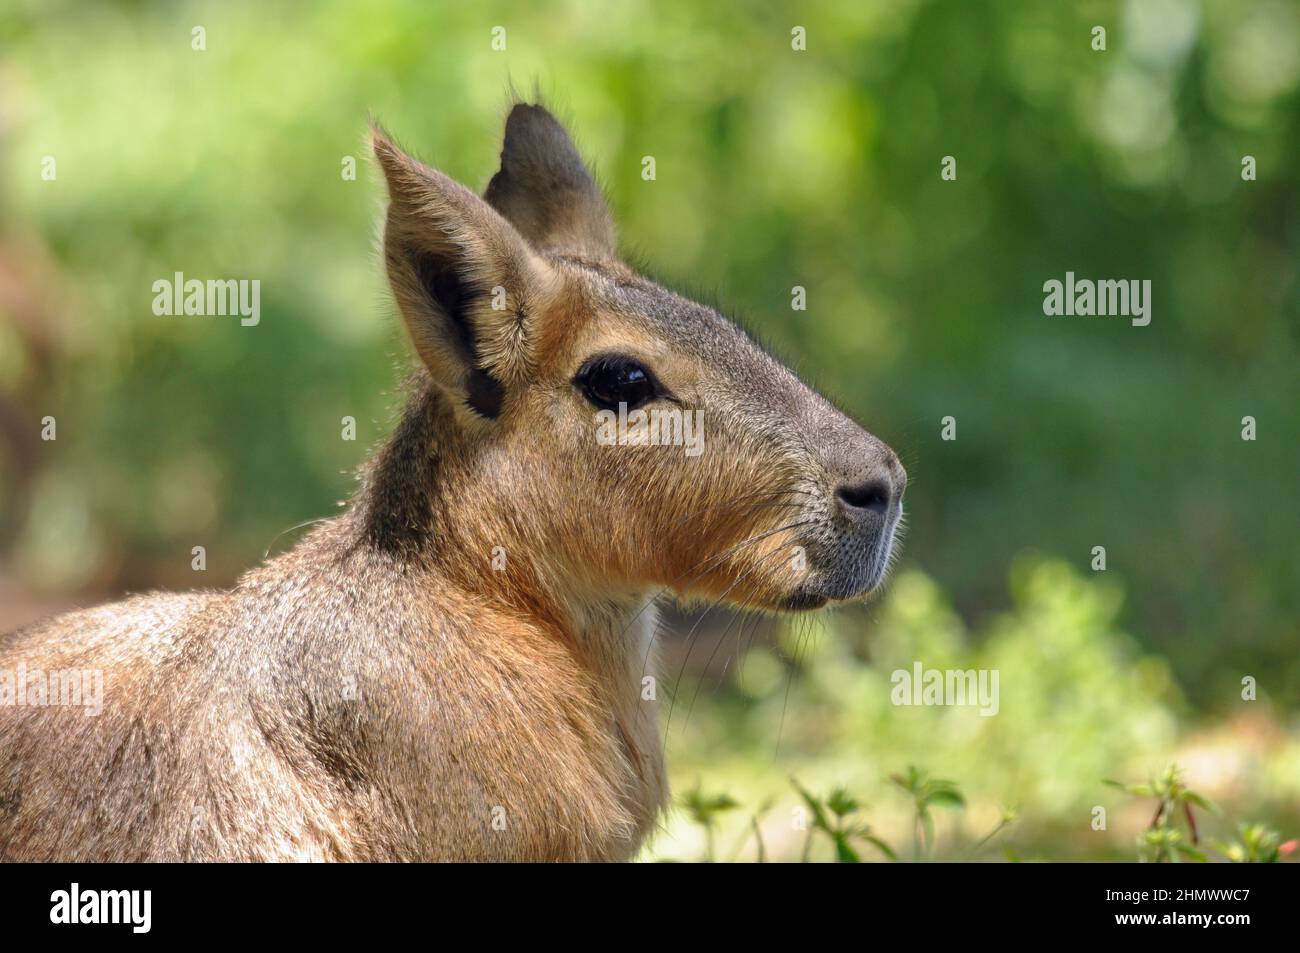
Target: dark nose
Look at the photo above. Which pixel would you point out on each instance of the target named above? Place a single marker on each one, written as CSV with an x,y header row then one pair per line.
x,y
876,494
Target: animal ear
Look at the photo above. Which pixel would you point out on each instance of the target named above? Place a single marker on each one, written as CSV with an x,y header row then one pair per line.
x,y
465,281
546,191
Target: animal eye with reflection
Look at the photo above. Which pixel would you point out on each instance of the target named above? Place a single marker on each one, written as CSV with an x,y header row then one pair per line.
x,y
610,381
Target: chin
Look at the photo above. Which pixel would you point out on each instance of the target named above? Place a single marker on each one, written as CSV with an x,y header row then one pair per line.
x,y
802,600
821,591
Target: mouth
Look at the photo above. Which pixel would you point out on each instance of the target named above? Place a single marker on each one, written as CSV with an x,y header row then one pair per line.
x,y
847,577
818,594
835,566
802,600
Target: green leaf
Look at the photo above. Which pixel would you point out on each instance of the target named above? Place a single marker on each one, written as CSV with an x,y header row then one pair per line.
x,y
844,852
1161,835
946,798
841,802
909,781
703,807
1230,851
1200,801
880,846
1140,790
820,820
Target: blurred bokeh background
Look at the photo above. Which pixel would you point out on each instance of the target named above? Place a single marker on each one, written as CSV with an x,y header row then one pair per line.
x,y
775,168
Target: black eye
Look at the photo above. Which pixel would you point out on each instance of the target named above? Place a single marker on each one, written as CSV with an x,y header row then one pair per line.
x,y
610,381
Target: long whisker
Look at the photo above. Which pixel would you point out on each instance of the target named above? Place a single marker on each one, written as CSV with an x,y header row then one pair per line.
x,y
691,634
803,631
690,575
780,728
776,495
709,663
718,601
717,645
749,644
711,561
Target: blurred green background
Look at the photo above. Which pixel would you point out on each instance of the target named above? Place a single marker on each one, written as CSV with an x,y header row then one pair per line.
x,y
775,168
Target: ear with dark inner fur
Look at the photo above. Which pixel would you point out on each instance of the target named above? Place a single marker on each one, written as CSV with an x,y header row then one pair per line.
x,y
546,191
450,256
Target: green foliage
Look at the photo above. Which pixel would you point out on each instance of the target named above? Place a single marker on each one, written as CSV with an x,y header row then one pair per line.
x,y
1165,839
1173,832
1256,844
704,809
1079,700
927,793
837,818
834,818
1172,835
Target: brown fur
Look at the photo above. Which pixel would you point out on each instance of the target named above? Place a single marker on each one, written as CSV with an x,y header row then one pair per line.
x,y
385,691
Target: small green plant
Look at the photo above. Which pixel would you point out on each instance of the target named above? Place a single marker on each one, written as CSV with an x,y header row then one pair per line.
x,y
837,817
1173,833
1257,844
704,810
834,818
1007,818
926,793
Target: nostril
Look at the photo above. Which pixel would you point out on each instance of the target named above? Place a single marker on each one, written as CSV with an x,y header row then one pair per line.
x,y
872,495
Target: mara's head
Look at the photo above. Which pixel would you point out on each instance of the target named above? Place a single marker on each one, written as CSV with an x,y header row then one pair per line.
x,y
605,432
